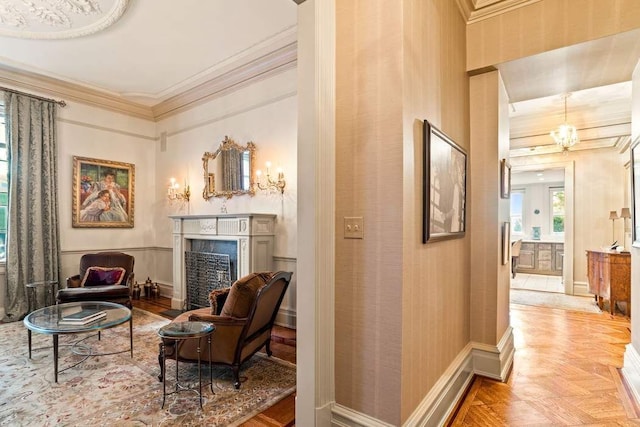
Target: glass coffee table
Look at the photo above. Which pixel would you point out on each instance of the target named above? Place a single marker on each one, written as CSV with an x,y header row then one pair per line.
x,y
47,320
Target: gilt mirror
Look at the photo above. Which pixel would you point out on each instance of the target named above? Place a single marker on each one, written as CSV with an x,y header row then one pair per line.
x,y
229,170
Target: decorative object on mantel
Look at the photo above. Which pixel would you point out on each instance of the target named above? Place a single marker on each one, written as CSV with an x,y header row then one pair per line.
x,y
174,193
565,135
228,171
62,19
271,184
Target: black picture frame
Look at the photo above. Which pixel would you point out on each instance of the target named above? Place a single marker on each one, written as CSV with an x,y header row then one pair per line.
x,y
444,186
635,192
505,179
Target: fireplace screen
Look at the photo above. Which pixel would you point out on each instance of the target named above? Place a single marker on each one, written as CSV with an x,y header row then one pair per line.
x,y
205,272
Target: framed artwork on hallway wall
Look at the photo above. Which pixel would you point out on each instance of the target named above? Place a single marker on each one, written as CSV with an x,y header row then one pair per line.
x,y
505,179
443,187
635,192
103,193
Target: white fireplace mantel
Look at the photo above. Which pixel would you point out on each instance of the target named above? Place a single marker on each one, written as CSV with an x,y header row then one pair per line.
x,y
254,234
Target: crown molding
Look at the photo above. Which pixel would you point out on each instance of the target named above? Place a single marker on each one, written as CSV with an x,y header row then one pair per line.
x,y
275,62
477,10
70,91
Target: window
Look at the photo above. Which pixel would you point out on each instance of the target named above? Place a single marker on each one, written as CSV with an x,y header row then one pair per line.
x,y
4,186
557,209
517,221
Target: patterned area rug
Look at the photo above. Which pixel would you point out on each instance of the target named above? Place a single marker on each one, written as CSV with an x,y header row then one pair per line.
x,y
118,390
553,300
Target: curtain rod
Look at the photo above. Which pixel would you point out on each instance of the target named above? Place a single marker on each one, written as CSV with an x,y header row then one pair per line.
x,y
60,103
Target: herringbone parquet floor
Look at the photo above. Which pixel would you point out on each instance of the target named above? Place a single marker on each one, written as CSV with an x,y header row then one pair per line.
x,y
565,372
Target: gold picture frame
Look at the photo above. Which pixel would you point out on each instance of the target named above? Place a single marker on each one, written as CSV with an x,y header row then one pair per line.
x,y
103,193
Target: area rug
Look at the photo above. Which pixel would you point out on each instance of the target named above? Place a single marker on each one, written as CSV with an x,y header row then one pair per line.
x,y
554,300
118,390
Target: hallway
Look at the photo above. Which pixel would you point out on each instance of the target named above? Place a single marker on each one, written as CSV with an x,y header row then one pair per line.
x,y
565,372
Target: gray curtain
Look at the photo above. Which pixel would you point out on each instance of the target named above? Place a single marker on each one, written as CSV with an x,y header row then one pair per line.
x,y
231,170
33,241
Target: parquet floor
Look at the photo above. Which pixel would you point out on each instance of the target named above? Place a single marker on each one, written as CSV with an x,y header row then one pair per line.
x,y
565,372
283,345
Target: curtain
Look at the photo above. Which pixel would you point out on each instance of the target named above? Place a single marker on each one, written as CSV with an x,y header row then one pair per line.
x,y
231,170
33,239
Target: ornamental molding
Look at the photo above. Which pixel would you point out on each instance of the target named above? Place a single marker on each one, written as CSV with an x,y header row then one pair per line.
x,y
58,19
477,10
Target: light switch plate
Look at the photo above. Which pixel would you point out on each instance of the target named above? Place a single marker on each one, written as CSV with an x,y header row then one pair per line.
x,y
353,227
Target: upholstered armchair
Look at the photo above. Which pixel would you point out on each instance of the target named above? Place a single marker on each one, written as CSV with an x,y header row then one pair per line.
x,y
104,276
243,315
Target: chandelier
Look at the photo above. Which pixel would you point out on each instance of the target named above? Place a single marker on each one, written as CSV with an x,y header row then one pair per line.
x,y
566,135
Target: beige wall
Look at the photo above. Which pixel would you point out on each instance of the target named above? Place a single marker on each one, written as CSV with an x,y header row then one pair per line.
x,y
435,300
546,25
369,177
398,63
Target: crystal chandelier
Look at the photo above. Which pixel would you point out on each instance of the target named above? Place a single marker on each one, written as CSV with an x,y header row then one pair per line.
x,y
565,136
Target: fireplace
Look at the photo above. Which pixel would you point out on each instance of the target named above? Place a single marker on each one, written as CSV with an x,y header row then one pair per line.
x,y
246,239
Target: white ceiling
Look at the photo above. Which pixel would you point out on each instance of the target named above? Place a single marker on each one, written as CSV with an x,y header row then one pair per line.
x,y
158,50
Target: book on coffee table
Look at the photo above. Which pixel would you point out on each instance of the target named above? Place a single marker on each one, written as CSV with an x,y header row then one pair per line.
x,y
82,317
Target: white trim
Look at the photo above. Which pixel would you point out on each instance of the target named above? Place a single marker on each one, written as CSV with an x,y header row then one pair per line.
x,y
346,417
631,371
581,289
446,393
494,361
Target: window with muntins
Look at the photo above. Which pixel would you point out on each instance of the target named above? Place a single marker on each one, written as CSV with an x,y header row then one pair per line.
x,y
557,209
517,209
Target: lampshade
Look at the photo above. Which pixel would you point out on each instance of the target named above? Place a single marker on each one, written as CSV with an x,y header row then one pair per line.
x,y
613,215
625,213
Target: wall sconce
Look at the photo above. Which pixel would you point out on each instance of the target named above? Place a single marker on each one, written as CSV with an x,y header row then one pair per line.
x,y
270,184
173,192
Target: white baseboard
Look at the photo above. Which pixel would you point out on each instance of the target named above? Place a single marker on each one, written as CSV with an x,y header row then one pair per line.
x,y
475,359
631,371
342,416
581,289
494,361
286,318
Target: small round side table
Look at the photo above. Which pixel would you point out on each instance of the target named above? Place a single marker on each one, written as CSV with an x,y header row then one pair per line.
x,y
179,332
49,288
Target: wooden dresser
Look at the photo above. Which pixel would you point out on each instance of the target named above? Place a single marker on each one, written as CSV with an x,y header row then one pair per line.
x,y
609,275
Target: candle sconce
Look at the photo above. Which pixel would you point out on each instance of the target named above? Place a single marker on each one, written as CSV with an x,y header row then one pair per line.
x,y
174,193
270,184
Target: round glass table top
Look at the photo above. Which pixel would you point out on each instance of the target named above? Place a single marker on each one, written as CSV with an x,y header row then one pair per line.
x,y
182,330
54,319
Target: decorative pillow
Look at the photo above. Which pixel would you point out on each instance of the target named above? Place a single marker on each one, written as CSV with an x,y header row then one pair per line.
x,y
215,296
102,276
243,293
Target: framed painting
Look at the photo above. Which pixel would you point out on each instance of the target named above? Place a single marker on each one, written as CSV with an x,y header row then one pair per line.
x,y
635,192
103,193
443,187
505,179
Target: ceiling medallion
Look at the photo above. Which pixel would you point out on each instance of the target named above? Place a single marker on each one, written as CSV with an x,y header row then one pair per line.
x,y
57,19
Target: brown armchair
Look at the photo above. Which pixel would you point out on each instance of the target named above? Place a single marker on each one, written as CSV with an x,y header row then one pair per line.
x,y
244,316
104,276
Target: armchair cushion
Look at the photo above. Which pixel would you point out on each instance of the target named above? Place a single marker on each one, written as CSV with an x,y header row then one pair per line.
x,y
217,298
103,276
243,293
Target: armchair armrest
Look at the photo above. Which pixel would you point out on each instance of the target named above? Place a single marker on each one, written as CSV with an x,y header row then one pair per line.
x,y
74,281
219,321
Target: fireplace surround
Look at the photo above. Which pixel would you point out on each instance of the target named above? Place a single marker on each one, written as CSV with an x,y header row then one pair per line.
x,y
248,239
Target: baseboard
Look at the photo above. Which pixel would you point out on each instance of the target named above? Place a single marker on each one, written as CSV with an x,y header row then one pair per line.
x,y
444,396
342,416
494,361
286,318
581,289
631,371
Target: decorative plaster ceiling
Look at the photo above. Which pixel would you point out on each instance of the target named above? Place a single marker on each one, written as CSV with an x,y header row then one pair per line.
x,y
57,19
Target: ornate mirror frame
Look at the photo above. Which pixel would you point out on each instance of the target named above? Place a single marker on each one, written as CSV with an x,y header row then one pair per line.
x,y
209,159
